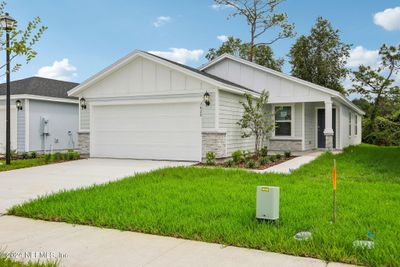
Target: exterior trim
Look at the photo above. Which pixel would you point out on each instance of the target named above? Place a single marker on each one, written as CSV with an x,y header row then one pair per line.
x,y
284,76
43,98
303,127
293,120
336,126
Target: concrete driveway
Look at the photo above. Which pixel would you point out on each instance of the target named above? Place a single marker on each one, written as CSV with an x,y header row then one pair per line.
x,y
18,186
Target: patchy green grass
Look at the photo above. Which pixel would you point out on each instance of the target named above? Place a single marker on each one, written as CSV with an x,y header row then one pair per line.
x,y
8,262
21,163
217,205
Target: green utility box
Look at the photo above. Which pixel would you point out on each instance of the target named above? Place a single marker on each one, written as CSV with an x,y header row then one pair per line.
x,y
267,205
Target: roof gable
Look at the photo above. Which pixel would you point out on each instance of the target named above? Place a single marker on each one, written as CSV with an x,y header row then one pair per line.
x,y
285,77
195,73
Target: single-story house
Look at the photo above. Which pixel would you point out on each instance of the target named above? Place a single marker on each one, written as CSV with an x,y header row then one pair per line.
x,y
147,107
43,117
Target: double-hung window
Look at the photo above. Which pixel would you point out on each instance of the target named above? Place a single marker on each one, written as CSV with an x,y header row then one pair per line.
x,y
350,115
355,124
283,121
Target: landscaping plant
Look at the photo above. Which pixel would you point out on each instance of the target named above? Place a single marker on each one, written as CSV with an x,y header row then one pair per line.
x,y
237,156
210,158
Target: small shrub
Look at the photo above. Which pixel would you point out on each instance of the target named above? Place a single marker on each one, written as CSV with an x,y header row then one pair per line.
x,y
272,158
13,154
278,156
237,156
47,158
33,155
246,155
25,155
264,161
288,154
229,163
251,163
57,156
264,151
65,156
210,158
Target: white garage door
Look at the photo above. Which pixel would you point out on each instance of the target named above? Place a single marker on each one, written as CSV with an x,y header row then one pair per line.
x,y
3,129
147,131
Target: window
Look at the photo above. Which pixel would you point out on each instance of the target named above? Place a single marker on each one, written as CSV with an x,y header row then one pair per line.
x,y
350,123
355,124
283,121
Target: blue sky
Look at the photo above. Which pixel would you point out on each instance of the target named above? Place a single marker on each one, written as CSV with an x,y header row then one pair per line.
x,y
87,35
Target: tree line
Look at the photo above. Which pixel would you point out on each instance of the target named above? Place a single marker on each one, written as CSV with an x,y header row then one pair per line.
x,y
320,57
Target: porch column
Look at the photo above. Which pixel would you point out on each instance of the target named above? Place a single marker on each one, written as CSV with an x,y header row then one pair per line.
x,y
328,131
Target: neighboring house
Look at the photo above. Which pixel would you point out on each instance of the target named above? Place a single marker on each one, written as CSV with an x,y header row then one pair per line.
x,y
43,117
147,107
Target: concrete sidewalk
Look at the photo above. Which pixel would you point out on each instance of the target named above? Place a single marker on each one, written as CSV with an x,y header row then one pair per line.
x,y
293,164
91,246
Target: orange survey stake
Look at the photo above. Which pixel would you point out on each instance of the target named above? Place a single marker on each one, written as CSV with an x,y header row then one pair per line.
x,y
334,175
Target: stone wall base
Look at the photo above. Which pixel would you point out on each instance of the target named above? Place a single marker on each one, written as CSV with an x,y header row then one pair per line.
x,y
329,142
214,142
84,144
285,145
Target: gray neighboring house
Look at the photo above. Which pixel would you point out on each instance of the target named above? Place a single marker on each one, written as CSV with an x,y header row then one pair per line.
x,y
43,117
147,107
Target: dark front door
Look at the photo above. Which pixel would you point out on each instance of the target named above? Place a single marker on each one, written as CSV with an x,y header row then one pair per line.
x,y
321,127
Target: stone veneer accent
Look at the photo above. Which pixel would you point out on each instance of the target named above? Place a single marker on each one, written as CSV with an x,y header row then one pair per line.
x,y
215,142
329,142
84,144
285,145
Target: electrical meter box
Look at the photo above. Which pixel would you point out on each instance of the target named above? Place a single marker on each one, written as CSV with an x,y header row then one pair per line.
x,y
267,204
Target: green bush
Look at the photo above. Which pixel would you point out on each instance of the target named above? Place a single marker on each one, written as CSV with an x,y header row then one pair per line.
x,y
237,156
33,155
288,154
246,155
251,163
278,156
264,161
272,158
210,158
25,155
47,158
229,163
57,156
264,151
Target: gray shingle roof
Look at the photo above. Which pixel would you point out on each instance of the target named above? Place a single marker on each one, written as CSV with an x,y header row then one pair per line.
x,y
40,86
204,73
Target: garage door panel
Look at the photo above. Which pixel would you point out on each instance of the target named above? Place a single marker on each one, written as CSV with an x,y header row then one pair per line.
x,y
147,131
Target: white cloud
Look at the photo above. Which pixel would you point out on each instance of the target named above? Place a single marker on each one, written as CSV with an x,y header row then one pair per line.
x,y
60,70
362,56
389,19
161,20
218,7
181,55
222,38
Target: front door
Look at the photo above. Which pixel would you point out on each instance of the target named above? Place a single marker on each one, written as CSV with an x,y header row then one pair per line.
x,y
321,127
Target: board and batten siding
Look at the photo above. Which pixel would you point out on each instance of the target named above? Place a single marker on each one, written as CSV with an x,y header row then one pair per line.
x,y
230,112
309,126
347,138
143,78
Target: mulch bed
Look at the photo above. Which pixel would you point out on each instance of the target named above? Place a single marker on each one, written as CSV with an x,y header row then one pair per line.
x,y
242,165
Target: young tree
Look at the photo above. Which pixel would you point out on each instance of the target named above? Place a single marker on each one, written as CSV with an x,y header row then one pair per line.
x,y
321,56
260,17
378,84
263,54
21,41
256,120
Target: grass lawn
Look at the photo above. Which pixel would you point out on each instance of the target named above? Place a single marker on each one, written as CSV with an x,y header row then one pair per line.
x,y
21,163
217,205
7,262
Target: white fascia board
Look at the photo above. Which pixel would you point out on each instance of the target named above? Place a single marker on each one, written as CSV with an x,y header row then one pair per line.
x,y
43,98
331,92
131,56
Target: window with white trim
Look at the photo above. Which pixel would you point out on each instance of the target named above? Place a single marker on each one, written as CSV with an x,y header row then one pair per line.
x,y
355,124
350,123
283,121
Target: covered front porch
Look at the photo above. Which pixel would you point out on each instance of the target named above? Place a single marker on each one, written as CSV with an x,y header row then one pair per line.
x,y
305,126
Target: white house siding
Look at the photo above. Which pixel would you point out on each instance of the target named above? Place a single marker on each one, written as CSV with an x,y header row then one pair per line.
x,y
351,139
309,126
3,126
230,112
63,117
21,131
142,78
281,90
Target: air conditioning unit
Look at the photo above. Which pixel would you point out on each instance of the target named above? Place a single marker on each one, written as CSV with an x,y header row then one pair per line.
x,y
267,205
